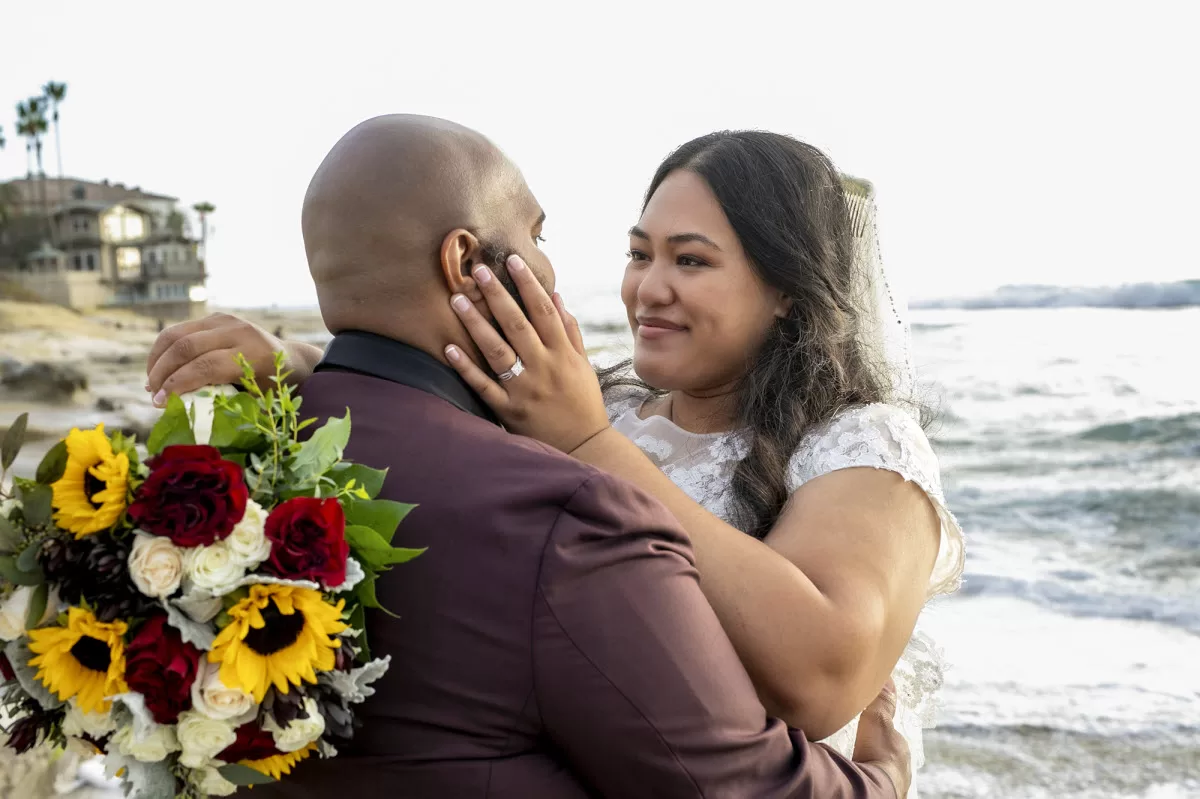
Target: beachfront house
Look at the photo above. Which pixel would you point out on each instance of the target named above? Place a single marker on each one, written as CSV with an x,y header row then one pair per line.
x,y
90,245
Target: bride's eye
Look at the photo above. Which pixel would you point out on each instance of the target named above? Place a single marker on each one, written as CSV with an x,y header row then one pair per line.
x,y
636,255
539,240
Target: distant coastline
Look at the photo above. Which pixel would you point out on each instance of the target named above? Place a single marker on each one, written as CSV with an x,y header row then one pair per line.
x,y
1179,294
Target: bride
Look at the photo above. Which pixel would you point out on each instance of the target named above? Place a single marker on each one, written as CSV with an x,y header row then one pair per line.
x,y
765,406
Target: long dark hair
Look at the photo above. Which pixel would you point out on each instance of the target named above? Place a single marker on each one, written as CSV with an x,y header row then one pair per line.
x,y
785,201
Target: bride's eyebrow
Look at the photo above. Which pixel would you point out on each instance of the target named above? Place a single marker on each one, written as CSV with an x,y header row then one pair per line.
x,y
678,238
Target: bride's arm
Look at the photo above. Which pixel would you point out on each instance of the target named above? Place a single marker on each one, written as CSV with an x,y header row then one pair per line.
x,y
198,353
821,610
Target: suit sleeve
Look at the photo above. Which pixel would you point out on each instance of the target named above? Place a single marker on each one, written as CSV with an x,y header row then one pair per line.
x,y
636,681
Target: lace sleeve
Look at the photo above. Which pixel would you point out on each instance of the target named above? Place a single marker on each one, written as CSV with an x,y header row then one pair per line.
x,y
885,437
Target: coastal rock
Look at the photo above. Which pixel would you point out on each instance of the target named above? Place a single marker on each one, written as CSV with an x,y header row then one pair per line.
x,y
43,382
106,404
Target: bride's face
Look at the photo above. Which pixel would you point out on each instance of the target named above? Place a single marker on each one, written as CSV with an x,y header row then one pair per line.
x,y
698,310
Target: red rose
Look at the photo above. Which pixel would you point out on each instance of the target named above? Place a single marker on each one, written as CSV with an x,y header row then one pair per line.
x,y
6,670
308,541
160,666
253,743
193,496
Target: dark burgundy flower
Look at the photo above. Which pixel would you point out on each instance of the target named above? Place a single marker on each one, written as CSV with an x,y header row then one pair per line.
x,y
193,496
308,541
161,666
6,669
253,743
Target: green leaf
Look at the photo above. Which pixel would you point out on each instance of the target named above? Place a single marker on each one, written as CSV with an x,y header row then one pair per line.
x,y
244,775
36,503
10,572
13,439
51,469
37,606
381,515
172,428
317,455
373,552
27,561
365,591
363,477
230,431
10,539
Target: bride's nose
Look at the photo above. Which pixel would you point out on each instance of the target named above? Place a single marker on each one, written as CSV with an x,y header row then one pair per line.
x,y
655,288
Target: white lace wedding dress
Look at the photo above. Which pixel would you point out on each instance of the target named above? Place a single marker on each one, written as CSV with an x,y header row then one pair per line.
x,y
877,436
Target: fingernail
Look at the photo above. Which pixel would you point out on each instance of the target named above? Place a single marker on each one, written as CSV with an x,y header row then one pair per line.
x,y
460,303
558,303
160,399
483,275
452,353
147,385
515,264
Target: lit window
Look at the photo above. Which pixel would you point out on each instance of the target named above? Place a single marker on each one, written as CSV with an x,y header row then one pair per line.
x,y
129,261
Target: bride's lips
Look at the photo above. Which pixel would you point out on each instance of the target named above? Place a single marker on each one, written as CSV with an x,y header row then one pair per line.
x,y
653,327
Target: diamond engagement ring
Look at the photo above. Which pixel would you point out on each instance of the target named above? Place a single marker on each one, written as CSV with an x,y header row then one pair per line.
x,y
512,372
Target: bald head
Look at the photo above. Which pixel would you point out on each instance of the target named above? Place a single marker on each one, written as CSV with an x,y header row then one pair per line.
x,y
396,198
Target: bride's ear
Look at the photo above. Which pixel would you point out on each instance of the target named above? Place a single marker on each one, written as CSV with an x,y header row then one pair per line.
x,y
783,306
460,254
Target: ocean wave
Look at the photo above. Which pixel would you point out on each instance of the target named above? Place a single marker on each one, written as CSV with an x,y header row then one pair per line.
x,y
1166,430
1075,599
1180,294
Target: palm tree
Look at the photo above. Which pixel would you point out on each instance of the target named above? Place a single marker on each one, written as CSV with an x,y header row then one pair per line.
x,y
55,93
203,210
31,123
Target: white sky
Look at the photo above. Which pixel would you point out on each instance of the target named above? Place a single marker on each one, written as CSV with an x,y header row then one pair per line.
x,y
1011,142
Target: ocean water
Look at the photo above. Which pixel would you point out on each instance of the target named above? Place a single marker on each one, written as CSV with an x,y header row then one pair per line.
x,y
1070,446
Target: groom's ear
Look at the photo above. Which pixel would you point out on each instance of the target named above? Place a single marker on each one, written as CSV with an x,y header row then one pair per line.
x,y
460,254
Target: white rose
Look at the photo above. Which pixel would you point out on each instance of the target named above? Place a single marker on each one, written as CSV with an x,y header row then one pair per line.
x,y
15,609
248,542
201,739
79,723
155,565
6,507
301,732
214,699
151,748
212,569
213,784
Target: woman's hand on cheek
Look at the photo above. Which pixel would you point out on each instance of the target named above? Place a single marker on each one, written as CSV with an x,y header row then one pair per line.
x,y
555,397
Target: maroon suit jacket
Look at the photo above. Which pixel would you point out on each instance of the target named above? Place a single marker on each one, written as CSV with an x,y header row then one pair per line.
x,y
553,641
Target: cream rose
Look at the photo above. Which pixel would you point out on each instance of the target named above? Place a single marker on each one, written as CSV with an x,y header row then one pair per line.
x,y
212,569
151,748
15,609
201,739
214,699
155,565
301,732
248,542
213,784
78,723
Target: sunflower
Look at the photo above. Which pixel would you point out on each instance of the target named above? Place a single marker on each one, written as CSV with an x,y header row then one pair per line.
x,y
278,766
91,494
85,659
279,634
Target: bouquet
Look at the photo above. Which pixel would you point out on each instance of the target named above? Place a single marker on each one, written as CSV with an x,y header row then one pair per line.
x,y
193,609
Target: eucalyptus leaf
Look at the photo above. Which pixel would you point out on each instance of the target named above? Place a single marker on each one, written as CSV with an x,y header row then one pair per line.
x,y
37,606
174,427
10,539
51,469
18,655
358,621
27,561
36,503
14,438
11,574
321,451
244,775
381,515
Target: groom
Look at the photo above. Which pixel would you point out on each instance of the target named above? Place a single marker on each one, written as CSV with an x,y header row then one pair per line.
x,y
553,641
